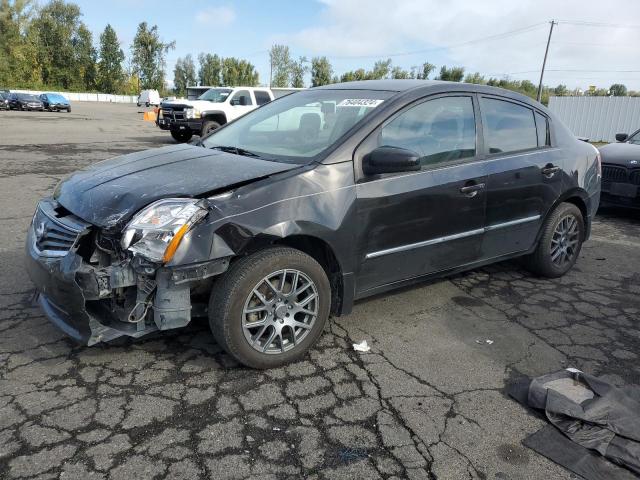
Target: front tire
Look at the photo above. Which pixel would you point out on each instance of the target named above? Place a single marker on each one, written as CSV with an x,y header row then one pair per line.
x,y
270,308
181,136
208,127
560,244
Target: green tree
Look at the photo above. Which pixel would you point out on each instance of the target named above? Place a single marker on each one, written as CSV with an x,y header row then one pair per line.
x,y
453,74
425,70
618,90
381,69
475,78
561,90
184,75
18,51
321,71
400,73
110,72
86,59
210,69
56,32
297,71
280,59
148,56
237,72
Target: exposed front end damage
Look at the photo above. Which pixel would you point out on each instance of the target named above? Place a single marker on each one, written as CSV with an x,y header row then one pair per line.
x,y
95,290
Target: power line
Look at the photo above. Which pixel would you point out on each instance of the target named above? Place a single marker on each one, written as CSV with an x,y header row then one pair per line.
x,y
445,47
596,24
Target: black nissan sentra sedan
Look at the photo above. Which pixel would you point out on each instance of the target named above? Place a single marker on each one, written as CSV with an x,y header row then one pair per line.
x,y
297,209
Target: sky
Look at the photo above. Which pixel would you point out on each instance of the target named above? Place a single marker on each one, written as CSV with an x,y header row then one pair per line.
x,y
594,43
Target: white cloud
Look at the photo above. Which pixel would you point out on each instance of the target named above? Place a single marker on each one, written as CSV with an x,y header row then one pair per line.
x,y
380,28
216,16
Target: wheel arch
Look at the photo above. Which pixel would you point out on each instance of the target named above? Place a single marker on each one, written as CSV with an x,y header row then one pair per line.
x,y
322,252
577,197
216,116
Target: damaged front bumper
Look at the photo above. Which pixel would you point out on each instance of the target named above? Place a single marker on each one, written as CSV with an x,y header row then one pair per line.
x,y
95,302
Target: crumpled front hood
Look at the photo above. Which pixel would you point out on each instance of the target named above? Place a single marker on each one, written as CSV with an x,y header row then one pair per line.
x,y
110,192
621,154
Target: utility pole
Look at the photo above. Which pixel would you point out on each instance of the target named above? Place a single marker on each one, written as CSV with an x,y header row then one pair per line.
x,y
544,62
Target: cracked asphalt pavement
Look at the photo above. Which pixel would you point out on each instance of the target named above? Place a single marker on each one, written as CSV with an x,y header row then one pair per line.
x,y
427,402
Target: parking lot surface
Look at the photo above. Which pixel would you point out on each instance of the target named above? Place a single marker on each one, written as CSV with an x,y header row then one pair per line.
x,y
427,402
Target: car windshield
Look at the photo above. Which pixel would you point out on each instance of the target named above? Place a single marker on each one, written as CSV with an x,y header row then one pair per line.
x,y
56,98
297,127
215,95
635,138
24,96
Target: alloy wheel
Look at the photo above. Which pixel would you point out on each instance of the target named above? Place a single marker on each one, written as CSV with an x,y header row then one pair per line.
x,y
280,311
565,241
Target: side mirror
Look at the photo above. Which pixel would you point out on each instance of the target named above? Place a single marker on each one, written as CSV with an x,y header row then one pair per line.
x,y
621,137
390,160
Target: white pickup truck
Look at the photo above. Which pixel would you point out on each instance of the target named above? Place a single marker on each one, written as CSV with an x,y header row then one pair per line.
x,y
215,107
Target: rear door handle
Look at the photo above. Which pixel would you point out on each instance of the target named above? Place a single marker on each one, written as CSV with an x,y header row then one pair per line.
x,y
550,170
472,190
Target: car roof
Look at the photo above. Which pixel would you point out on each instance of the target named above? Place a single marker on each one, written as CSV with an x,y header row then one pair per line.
x,y
428,87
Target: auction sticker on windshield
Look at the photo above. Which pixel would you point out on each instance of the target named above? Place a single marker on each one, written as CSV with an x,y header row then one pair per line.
x,y
360,102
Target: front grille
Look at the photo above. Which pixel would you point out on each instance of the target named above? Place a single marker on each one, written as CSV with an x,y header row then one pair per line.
x,y
634,177
612,173
173,113
55,234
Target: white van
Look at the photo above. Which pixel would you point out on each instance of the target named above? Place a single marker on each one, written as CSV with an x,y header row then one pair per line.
x,y
149,97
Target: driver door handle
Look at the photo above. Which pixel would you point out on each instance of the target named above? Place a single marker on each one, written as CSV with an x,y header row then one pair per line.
x,y
472,190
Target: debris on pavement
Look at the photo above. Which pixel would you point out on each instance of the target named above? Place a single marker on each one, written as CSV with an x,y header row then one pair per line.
x,y
595,426
363,347
487,341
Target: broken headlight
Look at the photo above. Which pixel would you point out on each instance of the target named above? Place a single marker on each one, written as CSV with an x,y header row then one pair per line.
x,y
157,230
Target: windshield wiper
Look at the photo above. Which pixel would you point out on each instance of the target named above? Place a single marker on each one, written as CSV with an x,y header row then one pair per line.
x,y
236,150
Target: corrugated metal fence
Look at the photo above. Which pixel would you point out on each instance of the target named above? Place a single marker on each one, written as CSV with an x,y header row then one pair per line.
x,y
87,97
598,118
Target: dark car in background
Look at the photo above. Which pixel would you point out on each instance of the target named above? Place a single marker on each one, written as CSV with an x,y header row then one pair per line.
x,y
55,102
295,210
24,101
4,101
621,171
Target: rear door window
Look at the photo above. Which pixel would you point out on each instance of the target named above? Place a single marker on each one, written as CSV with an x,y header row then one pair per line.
x,y
262,97
542,126
508,127
439,130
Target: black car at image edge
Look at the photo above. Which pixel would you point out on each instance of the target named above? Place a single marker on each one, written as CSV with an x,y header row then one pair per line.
x,y
307,204
4,100
24,101
621,171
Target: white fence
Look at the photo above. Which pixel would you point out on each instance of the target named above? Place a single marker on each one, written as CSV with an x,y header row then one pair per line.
x,y
87,97
598,118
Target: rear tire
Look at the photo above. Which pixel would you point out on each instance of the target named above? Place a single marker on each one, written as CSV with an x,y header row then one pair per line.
x,y
181,137
284,292
560,243
208,126
69,110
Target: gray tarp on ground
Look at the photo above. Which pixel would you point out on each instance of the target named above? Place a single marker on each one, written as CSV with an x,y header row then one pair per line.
x,y
592,413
